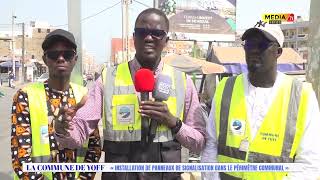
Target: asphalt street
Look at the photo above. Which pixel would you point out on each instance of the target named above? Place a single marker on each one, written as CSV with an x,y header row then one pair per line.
x,y
5,113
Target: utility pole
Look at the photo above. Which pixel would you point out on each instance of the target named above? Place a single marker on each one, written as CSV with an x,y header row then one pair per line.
x,y
313,68
23,78
12,45
125,30
74,26
155,3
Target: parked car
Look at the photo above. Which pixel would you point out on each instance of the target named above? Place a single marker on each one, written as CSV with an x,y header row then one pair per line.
x,y
43,77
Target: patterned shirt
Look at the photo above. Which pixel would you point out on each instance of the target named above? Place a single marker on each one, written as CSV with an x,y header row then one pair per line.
x,y
21,136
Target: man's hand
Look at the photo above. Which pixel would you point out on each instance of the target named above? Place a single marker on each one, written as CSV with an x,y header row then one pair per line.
x,y
158,111
64,117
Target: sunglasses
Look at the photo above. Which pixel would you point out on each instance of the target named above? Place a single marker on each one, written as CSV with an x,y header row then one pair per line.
x,y
155,33
262,46
68,55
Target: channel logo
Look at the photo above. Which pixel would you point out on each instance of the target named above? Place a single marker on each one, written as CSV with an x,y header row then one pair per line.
x,y
278,18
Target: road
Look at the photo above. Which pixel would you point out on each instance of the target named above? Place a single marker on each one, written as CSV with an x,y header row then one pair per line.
x,y
5,112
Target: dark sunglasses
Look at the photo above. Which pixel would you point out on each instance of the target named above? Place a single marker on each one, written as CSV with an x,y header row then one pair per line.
x,y
68,55
262,46
155,33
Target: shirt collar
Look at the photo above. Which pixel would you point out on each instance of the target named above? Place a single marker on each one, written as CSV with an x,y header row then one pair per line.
x,y
46,86
248,86
135,66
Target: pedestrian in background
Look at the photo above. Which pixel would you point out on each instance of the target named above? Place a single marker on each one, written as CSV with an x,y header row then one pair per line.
x,y
10,79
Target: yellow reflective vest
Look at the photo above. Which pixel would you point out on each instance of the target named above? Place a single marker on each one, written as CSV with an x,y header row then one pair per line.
x,y
279,135
40,152
121,119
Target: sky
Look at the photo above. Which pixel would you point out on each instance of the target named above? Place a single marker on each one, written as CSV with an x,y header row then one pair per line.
x,y
98,30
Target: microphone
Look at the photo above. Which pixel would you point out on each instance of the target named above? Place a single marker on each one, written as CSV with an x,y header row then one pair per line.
x,y
160,93
144,83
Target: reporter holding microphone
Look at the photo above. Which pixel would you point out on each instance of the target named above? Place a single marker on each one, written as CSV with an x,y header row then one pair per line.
x,y
120,98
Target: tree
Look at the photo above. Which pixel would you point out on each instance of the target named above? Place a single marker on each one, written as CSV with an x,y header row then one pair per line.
x,y
313,68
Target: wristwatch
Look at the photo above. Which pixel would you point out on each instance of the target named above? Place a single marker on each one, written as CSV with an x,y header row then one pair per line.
x,y
176,128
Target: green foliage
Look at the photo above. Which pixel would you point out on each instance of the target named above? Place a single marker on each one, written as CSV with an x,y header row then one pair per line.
x,y
168,7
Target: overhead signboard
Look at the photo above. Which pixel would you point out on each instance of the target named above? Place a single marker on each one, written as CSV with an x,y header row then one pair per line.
x,y
203,20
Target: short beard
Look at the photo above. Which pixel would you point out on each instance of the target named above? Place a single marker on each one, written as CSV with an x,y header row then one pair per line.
x,y
254,68
148,63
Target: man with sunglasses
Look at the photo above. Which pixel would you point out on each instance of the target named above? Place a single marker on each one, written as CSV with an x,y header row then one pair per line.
x,y
263,116
35,110
181,123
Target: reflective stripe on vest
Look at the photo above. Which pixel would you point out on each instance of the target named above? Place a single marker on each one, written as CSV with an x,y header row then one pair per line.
x,y
40,152
120,92
292,123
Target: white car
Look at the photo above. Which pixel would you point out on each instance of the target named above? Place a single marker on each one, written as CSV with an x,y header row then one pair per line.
x,y
43,77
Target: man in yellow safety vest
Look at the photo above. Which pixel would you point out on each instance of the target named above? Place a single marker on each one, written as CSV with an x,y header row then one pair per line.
x,y
115,100
263,116
37,105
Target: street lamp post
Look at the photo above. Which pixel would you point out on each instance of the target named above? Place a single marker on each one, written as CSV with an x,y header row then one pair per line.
x,y
24,75
155,3
74,26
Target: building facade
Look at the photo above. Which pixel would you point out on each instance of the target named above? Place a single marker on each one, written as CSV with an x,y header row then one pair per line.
x,y
117,54
35,33
296,36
